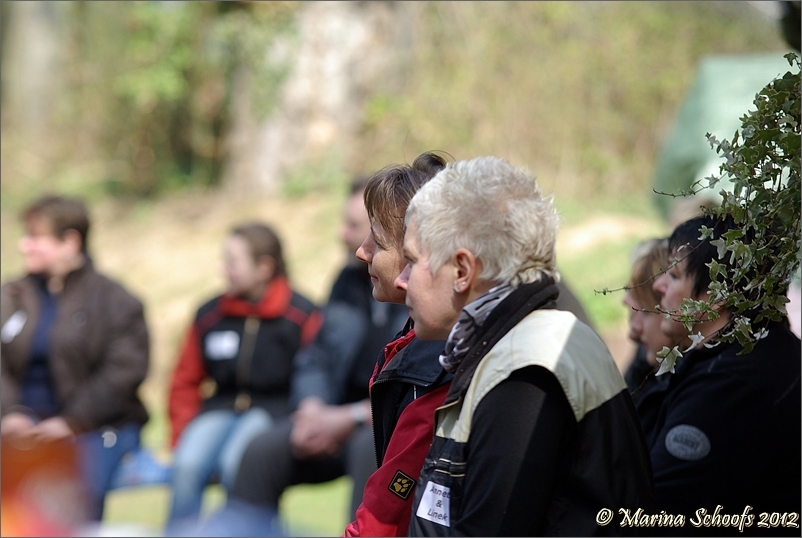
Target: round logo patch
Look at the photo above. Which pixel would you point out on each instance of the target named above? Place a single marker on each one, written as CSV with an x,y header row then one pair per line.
x,y
687,443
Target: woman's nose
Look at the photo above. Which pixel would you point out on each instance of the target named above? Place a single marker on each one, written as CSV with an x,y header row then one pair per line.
x,y
364,252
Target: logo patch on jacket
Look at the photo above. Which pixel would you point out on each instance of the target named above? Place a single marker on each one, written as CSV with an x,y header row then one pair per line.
x,y
13,326
687,443
401,485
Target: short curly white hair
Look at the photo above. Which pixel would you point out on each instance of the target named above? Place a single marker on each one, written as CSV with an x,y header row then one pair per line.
x,y
493,209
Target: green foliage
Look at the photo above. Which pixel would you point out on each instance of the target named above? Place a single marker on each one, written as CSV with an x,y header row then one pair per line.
x,y
762,162
325,175
571,89
589,262
152,85
578,91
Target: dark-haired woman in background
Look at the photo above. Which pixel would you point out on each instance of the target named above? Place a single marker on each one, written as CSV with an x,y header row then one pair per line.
x,y
244,342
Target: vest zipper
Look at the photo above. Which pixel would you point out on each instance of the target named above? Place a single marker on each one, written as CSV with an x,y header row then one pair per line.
x,y
244,361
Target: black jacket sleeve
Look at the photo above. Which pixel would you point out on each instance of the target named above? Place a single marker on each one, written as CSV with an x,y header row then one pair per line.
x,y
518,435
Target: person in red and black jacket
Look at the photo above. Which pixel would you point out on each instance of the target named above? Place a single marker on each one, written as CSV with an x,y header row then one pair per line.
x,y
330,433
243,342
408,383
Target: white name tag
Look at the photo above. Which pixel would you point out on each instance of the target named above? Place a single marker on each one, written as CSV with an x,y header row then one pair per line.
x,y
13,326
222,345
434,504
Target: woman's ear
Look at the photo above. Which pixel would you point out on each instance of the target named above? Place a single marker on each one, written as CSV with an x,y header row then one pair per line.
x,y
266,268
72,239
718,306
467,267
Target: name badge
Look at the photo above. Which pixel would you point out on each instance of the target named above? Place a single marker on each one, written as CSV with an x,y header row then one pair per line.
x,y
434,504
13,326
222,345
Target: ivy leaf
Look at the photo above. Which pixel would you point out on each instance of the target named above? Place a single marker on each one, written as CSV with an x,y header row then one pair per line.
x,y
721,246
667,359
761,334
696,339
715,269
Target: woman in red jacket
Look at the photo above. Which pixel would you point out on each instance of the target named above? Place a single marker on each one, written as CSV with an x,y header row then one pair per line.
x,y
240,349
408,383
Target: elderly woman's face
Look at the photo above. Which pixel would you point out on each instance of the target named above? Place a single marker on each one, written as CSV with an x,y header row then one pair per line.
x,y
385,262
430,297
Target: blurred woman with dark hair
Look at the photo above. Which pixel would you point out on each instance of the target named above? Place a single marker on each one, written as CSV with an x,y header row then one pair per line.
x,y
239,351
723,408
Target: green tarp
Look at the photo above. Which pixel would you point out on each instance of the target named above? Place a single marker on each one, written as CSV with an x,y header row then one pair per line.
x,y
723,91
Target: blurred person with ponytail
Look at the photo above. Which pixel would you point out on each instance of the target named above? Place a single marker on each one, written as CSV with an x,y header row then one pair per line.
x,y
232,379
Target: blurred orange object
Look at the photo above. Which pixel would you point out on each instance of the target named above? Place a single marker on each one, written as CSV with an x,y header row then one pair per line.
x,y
41,492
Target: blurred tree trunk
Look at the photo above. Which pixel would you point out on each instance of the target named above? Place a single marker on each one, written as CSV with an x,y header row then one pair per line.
x,y
343,52
32,60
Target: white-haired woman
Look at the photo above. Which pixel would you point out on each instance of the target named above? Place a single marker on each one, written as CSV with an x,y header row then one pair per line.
x,y
538,434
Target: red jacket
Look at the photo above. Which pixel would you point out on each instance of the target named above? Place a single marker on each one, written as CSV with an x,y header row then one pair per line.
x,y
386,503
287,321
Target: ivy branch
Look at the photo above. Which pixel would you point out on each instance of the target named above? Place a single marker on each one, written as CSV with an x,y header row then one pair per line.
x,y
762,164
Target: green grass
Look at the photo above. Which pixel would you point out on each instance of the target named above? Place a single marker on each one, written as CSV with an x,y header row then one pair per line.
x,y
306,509
606,266
317,509
594,247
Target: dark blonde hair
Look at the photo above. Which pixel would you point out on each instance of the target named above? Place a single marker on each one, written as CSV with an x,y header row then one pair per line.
x,y
263,241
388,191
649,260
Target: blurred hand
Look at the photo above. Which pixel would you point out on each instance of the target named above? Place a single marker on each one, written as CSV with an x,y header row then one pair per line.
x,y
52,429
320,430
16,426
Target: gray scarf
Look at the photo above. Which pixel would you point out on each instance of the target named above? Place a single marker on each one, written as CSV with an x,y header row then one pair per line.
x,y
470,319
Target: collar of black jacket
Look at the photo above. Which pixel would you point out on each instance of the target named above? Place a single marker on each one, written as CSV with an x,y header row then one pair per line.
x,y
416,364
516,306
